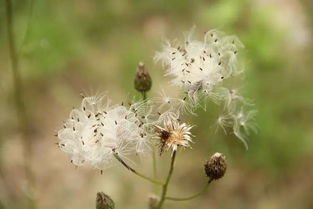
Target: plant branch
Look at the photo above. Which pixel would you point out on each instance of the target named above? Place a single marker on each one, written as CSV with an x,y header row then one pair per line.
x,y
201,192
169,175
136,172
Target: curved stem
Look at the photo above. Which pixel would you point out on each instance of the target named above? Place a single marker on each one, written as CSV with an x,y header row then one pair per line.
x,y
169,175
201,192
136,172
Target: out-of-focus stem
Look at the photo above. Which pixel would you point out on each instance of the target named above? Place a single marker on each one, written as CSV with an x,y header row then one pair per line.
x,y
169,175
18,93
154,164
201,192
136,172
28,24
144,95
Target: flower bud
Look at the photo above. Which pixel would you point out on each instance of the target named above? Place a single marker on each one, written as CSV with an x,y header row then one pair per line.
x,y
153,202
216,166
103,201
143,80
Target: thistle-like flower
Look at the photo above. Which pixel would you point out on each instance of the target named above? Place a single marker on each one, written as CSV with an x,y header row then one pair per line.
x,y
172,133
98,130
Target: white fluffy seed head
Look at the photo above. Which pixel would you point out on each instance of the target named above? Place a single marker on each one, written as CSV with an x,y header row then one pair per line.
x,y
96,130
204,69
200,66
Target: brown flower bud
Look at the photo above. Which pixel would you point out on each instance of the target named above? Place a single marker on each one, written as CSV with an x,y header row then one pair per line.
x,y
103,201
143,80
215,168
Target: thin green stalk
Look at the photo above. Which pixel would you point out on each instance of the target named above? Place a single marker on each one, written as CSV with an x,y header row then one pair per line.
x,y
18,90
18,97
201,192
144,95
28,26
154,163
155,181
169,175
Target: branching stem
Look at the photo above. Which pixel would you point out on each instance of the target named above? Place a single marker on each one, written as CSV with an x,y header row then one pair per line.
x,y
201,192
155,181
169,175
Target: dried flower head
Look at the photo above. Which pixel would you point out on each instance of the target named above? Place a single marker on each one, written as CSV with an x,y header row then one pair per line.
x,y
215,168
97,130
172,133
103,201
143,80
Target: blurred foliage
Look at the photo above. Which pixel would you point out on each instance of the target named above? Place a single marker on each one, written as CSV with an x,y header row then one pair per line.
x,y
76,46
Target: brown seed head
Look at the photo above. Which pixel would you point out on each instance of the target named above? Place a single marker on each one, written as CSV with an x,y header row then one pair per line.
x,y
103,201
143,80
216,166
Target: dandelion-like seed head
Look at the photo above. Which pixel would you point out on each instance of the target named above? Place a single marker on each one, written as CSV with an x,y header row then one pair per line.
x,y
173,134
97,130
205,70
200,66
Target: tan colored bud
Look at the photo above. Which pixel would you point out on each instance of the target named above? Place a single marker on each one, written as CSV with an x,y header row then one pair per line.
x,y
153,202
143,80
103,201
215,168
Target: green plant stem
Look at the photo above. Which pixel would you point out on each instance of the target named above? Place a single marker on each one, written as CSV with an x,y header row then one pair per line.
x,y
169,175
144,95
136,172
154,164
19,101
28,26
18,91
201,192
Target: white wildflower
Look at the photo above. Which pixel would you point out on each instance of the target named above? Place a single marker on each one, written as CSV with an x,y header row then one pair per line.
x,y
97,130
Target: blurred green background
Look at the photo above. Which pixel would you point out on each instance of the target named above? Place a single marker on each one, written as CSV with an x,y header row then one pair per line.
x,y
76,46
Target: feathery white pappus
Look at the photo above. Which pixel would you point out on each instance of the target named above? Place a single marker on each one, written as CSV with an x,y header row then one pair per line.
x,y
204,69
97,130
200,66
